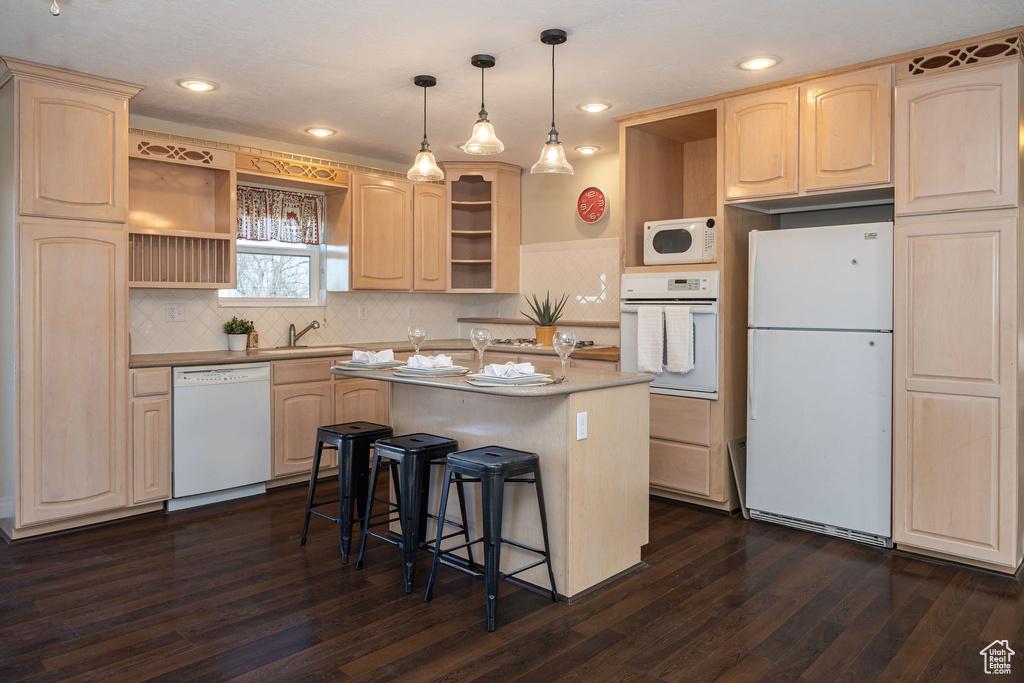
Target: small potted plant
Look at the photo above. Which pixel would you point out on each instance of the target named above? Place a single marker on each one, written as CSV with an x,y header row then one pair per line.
x,y
545,315
238,333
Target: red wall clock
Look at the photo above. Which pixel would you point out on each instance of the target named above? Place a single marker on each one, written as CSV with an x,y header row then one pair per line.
x,y
591,205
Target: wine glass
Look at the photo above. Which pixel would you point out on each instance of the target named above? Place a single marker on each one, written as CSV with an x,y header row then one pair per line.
x,y
417,335
481,338
564,343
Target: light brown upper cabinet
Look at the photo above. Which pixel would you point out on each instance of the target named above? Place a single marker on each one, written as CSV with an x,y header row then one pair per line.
x,y
761,137
73,376
73,153
845,130
956,140
382,232
430,253
955,408
824,135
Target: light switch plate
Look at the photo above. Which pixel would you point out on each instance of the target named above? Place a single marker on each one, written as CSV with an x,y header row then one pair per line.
x,y
581,426
174,313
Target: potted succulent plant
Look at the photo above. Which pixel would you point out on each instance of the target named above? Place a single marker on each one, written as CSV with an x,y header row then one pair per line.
x,y
545,315
238,333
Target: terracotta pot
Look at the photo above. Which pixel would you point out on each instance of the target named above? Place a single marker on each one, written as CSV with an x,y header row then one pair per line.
x,y
544,335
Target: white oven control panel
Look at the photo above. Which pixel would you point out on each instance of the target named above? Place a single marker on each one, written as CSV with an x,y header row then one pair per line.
x,y
695,285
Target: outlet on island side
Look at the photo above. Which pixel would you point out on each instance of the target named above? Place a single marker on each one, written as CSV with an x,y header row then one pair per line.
x,y
581,426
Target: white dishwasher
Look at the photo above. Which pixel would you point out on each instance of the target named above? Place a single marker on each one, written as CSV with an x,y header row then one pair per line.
x,y
221,433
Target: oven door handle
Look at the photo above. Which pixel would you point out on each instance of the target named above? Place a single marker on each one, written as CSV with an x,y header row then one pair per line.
x,y
694,308
751,396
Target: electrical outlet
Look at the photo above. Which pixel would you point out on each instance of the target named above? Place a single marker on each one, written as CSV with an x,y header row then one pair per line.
x,y
497,311
411,310
581,426
361,312
174,313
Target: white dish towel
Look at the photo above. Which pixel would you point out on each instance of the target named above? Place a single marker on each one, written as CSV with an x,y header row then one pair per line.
x,y
429,362
385,356
678,339
650,339
510,369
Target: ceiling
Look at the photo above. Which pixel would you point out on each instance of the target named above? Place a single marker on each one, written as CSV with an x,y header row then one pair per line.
x,y
283,66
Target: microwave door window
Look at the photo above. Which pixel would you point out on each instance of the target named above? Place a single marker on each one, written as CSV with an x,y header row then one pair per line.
x,y
672,241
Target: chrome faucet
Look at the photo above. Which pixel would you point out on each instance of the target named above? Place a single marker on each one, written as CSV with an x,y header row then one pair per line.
x,y
294,337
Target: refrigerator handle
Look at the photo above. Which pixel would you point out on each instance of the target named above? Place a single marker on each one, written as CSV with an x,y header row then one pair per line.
x,y
751,403
751,268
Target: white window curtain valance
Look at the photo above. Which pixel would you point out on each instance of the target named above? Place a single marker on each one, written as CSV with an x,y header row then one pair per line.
x,y
265,214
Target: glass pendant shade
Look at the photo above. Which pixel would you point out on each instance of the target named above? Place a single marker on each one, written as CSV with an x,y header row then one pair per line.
x,y
552,158
483,140
425,168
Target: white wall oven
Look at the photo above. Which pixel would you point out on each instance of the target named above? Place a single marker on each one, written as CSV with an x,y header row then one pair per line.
x,y
699,292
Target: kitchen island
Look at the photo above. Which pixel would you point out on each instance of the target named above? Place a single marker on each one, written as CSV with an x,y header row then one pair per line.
x,y
596,488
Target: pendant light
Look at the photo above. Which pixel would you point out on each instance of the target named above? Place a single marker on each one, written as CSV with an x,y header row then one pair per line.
x,y
552,156
483,140
426,167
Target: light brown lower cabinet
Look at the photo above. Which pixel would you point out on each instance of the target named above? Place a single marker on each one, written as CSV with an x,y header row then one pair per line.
x,y
956,403
149,441
297,411
682,460
363,400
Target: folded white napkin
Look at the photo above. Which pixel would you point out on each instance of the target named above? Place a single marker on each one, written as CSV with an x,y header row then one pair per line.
x,y
384,356
650,339
678,339
509,369
429,362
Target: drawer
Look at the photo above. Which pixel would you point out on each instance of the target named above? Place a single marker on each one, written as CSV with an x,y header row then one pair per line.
x,y
681,467
293,372
677,418
151,382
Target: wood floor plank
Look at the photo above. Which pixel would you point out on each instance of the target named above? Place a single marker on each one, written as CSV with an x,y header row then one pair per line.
x,y
227,592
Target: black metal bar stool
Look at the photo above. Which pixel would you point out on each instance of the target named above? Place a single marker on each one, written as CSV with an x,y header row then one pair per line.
x,y
493,467
352,440
414,454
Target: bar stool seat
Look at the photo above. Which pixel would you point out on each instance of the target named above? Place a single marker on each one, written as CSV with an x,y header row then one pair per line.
x,y
352,440
493,467
413,454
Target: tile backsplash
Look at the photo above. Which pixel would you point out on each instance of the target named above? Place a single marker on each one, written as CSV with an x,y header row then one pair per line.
x,y
587,270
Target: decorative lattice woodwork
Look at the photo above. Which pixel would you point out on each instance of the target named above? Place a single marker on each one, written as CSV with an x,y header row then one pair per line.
x,y
149,149
292,169
965,55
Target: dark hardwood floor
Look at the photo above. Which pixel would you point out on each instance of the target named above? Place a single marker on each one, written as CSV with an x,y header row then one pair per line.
x,y
226,592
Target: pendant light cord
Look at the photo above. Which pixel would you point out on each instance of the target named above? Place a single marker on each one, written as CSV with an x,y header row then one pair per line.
x,y
424,114
552,86
482,107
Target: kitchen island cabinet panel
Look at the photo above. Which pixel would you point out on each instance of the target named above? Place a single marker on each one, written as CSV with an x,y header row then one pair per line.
x,y
297,412
72,329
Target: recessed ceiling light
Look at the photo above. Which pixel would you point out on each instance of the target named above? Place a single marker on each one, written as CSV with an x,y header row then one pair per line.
x,y
758,63
321,132
595,107
587,149
196,85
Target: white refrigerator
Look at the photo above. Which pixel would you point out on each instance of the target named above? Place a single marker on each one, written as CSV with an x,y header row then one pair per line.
x,y
819,379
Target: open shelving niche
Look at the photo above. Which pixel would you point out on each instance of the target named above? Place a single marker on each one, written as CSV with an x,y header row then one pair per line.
x,y
181,216
472,232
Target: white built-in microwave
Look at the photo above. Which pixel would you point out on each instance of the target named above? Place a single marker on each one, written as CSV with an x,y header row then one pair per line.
x,y
683,240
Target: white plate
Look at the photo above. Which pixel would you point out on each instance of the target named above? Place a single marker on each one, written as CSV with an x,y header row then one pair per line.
x,y
535,377
532,383
438,372
355,365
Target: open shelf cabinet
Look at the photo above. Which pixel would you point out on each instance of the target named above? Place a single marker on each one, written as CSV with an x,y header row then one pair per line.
x,y
181,215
